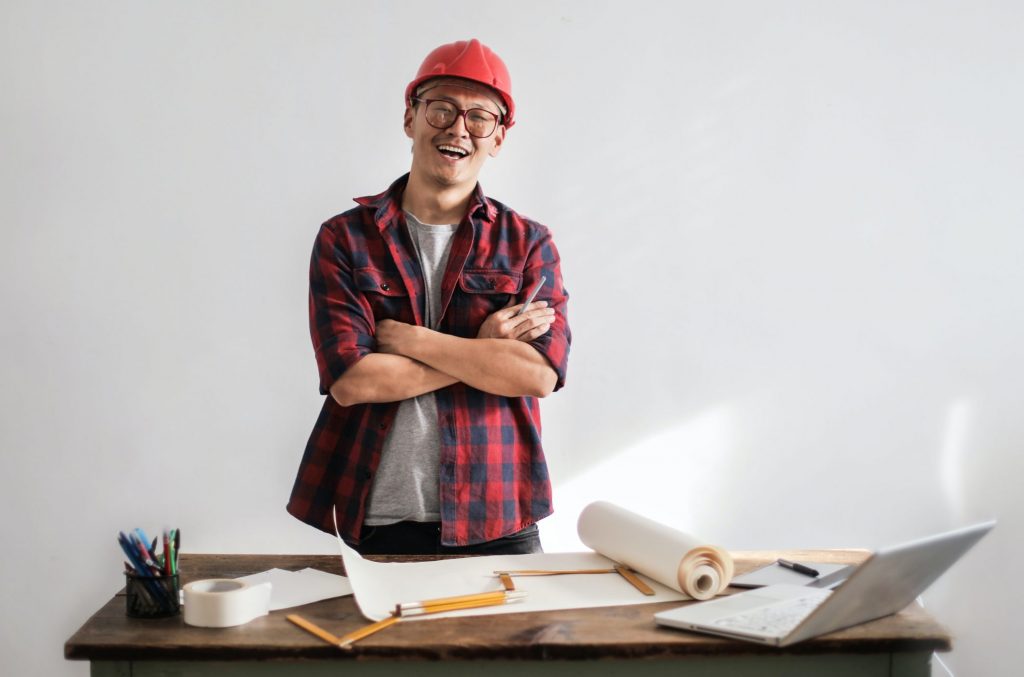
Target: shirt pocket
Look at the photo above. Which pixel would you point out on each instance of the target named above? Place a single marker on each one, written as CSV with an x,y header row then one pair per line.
x,y
385,293
483,291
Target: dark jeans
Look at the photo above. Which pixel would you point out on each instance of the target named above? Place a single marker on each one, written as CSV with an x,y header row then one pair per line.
x,y
424,538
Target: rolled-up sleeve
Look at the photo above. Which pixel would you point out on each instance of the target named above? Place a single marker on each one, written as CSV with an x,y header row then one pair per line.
x,y
340,321
544,261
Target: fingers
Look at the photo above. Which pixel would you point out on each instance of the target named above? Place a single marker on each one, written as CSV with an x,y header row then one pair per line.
x,y
533,323
507,324
537,331
512,311
520,324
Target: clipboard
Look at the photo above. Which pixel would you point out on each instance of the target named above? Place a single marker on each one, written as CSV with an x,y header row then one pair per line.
x,y
775,574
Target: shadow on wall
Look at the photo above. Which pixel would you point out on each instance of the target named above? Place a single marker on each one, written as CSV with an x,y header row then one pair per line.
x,y
650,477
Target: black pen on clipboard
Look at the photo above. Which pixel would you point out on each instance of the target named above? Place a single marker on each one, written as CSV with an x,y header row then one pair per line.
x,y
533,294
799,568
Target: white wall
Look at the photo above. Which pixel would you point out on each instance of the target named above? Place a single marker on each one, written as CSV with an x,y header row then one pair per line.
x,y
791,232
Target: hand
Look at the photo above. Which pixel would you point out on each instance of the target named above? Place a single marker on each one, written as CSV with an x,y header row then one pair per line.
x,y
536,321
393,336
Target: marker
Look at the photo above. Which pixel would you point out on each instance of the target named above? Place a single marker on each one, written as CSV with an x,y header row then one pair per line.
x,y
172,554
533,294
177,548
799,568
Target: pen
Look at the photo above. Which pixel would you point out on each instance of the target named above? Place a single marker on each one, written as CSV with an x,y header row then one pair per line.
x,y
133,555
141,569
145,556
799,568
532,295
167,553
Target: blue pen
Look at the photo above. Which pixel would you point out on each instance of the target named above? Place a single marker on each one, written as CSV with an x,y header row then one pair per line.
x,y
133,557
141,570
142,535
146,567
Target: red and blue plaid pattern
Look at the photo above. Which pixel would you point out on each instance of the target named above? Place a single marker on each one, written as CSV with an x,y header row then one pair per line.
x,y
494,479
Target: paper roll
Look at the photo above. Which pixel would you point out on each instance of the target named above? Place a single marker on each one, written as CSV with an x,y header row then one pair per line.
x,y
225,602
673,558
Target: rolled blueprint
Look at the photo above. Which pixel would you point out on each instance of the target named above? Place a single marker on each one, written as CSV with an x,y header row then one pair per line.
x,y
678,560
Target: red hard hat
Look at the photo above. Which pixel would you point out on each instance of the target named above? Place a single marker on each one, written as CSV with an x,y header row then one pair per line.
x,y
470,60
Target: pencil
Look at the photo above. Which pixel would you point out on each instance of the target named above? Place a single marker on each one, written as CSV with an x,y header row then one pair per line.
x,y
478,599
433,606
503,597
549,572
314,629
345,641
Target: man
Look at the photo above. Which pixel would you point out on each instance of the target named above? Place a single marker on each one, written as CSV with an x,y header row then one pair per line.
x,y
430,440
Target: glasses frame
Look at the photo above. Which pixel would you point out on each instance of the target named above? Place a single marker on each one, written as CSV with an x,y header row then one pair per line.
x,y
459,113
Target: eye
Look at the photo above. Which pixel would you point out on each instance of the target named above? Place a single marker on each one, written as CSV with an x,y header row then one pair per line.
x,y
442,108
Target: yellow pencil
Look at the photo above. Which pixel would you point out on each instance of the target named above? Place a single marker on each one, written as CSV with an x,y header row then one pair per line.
x,y
440,606
313,629
430,606
485,598
549,572
345,642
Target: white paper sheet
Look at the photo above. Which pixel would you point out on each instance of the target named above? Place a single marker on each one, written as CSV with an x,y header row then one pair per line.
x,y
379,586
667,558
295,588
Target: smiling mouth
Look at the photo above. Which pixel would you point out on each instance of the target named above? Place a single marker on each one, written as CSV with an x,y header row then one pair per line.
x,y
454,152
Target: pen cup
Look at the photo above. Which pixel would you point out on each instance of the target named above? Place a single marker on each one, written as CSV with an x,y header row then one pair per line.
x,y
152,596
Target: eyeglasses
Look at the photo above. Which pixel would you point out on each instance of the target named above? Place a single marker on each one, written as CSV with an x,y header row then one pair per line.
x,y
441,114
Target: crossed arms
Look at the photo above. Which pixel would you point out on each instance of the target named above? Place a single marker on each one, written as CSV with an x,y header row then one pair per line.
x,y
412,360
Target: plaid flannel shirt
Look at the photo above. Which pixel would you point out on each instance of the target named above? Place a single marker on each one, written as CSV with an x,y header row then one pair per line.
x,y
494,479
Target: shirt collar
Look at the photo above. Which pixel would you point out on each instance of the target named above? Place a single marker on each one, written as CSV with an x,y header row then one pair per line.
x,y
389,203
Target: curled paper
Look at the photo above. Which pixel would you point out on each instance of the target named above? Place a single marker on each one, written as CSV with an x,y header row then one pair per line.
x,y
678,560
225,602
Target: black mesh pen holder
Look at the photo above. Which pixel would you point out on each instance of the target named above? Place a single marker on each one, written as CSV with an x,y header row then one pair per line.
x,y
152,596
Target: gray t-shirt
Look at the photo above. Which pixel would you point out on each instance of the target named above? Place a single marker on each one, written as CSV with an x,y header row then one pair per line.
x,y
406,484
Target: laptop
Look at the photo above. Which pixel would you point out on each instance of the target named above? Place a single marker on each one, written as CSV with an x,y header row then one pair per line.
x,y
780,615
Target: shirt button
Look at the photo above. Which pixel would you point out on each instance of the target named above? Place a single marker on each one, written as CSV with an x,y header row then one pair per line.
x,y
383,425
385,286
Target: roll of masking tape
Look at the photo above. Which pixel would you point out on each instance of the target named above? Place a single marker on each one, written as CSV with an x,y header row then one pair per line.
x,y
225,602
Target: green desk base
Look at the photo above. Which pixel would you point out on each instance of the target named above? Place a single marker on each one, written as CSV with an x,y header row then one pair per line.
x,y
783,665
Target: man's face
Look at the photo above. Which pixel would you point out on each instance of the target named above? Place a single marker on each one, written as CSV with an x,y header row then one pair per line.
x,y
451,157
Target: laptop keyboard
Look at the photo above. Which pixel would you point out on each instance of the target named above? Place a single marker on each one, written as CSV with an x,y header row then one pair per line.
x,y
774,619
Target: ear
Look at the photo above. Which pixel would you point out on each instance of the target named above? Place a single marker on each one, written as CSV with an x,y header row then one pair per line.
x,y
410,113
499,139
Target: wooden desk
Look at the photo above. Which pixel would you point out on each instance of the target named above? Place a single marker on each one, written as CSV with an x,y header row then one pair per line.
x,y
613,640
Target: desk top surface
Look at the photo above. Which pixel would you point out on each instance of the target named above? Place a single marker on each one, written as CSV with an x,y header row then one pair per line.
x,y
607,632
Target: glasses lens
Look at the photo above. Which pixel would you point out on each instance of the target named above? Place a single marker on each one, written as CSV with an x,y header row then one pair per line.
x,y
479,122
441,114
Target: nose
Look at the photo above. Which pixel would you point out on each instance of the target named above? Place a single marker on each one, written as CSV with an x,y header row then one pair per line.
x,y
458,127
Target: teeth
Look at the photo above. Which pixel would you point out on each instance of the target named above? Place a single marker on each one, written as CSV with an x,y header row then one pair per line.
x,y
455,149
